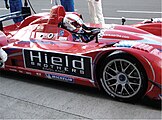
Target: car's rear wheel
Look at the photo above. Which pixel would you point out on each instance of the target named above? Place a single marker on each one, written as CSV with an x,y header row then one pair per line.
x,y
123,77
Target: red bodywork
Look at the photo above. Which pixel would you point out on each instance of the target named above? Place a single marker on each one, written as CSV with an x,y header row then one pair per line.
x,y
151,27
40,36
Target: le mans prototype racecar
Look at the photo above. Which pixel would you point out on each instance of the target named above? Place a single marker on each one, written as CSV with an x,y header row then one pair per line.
x,y
123,60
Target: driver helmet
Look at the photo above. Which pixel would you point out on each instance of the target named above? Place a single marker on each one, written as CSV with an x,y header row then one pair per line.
x,y
73,23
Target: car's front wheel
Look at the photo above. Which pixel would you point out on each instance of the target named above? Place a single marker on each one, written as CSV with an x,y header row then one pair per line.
x,y
123,77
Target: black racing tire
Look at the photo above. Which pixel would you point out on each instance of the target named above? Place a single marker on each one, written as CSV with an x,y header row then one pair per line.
x,y
123,77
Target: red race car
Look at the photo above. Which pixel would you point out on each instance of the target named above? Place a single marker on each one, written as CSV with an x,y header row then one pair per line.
x,y
123,60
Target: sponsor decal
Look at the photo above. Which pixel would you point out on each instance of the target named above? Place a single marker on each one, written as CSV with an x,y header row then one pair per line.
x,y
13,70
102,33
62,38
20,71
117,35
50,35
61,33
57,77
43,42
60,63
39,74
29,73
126,44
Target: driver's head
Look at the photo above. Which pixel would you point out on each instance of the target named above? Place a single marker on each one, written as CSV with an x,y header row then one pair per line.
x,y
73,23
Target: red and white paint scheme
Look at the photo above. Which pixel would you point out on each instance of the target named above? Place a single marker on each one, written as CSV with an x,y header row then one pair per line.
x,y
123,60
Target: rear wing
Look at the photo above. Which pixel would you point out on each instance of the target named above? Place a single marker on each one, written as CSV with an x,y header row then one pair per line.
x,y
11,16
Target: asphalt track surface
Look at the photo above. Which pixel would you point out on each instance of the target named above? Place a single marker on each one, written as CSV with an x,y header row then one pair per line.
x,y
26,97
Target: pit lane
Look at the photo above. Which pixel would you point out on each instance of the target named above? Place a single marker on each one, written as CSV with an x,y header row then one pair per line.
x,y
26,97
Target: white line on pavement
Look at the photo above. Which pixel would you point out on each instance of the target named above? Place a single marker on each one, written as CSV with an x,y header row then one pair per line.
x,y
3,9
139,11
115,18
45,9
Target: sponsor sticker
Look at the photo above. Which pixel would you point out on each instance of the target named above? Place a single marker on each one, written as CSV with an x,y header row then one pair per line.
x,y
60,63
61,33
62,38
57,77
50,35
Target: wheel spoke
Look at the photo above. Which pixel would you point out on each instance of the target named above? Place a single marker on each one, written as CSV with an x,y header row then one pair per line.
x,y
116,86
126,67
113,84
122,88
112,69
132,83
112,78
116,69
126,90
131,72
131,88
109,74
132,77
121,66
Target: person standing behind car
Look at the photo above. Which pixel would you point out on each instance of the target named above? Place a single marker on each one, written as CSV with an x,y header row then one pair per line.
x,y
68,5
15,5
95,11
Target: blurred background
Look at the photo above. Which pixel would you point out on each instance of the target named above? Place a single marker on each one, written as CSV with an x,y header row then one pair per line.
x,y
133,10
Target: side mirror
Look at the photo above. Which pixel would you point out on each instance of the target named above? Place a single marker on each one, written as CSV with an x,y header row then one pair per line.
x,y
96,38
96,32
123,20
